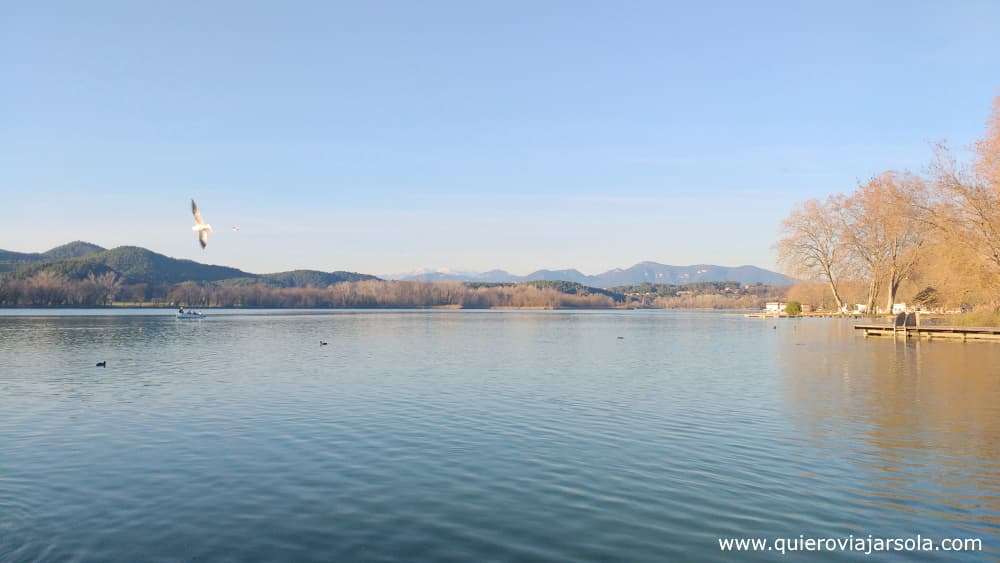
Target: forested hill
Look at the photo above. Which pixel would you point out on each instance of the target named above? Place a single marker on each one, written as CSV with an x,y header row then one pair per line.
x,y
301,278
10,260
135,265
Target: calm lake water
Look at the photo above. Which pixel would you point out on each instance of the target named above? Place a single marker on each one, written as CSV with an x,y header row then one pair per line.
x,y
467,436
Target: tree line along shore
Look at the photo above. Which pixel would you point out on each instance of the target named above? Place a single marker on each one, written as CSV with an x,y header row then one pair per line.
x,y
929,240
49,289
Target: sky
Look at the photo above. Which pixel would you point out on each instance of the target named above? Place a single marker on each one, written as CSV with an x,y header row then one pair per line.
x,y
385,137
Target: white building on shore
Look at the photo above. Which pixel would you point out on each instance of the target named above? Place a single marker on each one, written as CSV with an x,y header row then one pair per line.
x,y
775,306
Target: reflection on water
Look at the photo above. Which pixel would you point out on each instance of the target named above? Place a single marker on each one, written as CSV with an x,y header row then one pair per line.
x,y
483,435
923,418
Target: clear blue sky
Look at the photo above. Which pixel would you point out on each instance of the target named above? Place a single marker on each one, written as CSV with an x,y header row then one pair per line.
x,y
386,136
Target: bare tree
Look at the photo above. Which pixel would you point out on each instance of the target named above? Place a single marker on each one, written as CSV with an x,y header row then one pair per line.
x,y
907,230
812,244
106,287
969,200
863,234
882,225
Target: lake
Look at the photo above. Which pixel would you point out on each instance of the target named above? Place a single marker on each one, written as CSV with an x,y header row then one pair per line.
x,y
485,435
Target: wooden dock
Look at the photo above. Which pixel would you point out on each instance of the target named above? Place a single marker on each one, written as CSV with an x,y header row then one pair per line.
x,y
931,331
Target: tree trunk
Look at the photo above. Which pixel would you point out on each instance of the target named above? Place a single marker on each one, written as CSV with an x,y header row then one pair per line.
x,y
833,289
893,288
836,297
873,291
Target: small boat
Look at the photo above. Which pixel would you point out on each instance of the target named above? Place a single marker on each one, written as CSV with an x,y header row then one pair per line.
x,y
189,315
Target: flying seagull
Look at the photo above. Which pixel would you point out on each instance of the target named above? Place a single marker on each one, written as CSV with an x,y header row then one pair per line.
x,y
200,226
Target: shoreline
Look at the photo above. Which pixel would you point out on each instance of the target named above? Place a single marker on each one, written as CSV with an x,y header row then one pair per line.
x,y
173,309
157,306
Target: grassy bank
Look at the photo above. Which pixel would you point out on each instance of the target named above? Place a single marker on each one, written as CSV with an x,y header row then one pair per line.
x,y
975,318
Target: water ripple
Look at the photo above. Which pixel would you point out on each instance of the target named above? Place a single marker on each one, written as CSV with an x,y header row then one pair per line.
x,y
459,436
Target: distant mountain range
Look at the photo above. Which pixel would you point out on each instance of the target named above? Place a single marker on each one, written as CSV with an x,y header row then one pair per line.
x,y
134,265
643,272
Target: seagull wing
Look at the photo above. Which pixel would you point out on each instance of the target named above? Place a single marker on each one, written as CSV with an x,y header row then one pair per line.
x,y
203,237
197,215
